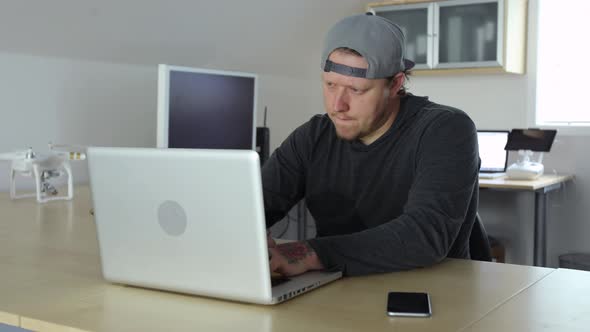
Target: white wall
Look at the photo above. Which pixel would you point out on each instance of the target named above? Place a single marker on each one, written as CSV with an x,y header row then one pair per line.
x,y
55,95
569,212
492,101
46,99
289,104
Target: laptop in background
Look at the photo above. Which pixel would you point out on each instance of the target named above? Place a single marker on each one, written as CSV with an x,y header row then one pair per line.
x,y
494,158
189,221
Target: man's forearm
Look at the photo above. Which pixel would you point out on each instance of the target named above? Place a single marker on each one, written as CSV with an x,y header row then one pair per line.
x,y
400,244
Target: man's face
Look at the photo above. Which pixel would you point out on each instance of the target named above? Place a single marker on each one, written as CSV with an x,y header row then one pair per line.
x,y
360,108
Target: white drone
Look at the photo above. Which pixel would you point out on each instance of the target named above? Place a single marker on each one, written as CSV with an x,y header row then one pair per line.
x,y
43,167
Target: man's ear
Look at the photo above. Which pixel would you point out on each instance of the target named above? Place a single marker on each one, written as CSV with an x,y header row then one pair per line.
x,y
396,83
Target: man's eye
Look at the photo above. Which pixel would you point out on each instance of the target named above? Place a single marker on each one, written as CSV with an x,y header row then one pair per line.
x,y
356,91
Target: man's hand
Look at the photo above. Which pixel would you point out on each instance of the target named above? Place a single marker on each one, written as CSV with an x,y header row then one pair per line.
x,y
293,258
271,242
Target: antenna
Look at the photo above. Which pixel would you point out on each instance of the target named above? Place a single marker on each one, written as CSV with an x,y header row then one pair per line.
x,y
265,109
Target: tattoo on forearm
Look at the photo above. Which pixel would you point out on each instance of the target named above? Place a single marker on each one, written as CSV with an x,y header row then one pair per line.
x,y
296,251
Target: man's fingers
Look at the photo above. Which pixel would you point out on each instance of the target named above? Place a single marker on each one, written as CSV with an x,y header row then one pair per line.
x,y
271,242
274,260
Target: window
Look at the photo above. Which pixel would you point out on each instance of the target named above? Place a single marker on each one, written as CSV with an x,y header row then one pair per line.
x,y
562,71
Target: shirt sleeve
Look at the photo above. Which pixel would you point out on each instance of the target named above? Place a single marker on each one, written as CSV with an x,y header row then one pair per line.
x,y
446,167
283,175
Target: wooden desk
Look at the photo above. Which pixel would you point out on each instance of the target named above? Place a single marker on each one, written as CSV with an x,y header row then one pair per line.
x,y
559,302
541,187
51,281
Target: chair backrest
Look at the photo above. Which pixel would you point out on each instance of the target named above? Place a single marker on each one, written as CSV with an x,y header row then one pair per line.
x,y
479,245
263,143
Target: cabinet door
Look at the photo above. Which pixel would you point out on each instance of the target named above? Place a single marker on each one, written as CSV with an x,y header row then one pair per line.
x,y
416,22
468,33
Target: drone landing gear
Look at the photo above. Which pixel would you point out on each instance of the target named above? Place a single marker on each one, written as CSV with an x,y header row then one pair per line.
x,y
44,190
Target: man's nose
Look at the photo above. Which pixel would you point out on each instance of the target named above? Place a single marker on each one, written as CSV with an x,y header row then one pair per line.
x,y
340,101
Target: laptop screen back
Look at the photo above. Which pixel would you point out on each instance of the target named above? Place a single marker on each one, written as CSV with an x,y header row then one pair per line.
x,y
491,150
169,219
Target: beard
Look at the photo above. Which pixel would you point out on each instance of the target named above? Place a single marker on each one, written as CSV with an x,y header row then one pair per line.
x,y
347,136
347,133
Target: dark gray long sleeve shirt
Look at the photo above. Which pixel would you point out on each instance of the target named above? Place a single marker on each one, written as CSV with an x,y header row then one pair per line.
x,y
407,200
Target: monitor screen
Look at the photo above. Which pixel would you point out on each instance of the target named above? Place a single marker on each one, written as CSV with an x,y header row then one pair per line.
x,y
206,109
491,150
531,139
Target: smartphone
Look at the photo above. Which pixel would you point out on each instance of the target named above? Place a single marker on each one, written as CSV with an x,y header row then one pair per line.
x,y
408,304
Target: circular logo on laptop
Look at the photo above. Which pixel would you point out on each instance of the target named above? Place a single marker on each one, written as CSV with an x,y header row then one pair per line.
x,y
172,218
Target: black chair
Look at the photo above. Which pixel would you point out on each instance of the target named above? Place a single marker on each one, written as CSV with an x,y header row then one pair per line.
x,y
479,245
263,143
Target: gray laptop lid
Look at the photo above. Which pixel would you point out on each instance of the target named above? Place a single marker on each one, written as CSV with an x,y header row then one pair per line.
x,y
183,220
493,157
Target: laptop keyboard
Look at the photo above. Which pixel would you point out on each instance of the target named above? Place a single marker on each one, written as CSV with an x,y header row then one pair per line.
x,y
275,281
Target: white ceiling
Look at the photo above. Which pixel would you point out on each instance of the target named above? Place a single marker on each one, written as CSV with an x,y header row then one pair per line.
x,y
273,37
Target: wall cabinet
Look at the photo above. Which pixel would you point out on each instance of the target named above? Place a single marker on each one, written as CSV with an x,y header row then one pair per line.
x,y
461,35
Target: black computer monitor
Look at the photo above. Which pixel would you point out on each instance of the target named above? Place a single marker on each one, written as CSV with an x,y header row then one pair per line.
x,y
531,139
206,109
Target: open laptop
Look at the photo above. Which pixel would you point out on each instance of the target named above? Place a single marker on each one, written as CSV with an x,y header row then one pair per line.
x,y
494,158
189,221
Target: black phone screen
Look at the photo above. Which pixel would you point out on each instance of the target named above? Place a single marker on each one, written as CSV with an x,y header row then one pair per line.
x,y
408,304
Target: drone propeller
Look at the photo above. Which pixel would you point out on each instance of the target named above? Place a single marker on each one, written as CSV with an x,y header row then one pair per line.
x,y
56,152
72,152
67,147
16,155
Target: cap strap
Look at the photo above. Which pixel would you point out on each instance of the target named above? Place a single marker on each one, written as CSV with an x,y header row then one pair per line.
x,y
344,69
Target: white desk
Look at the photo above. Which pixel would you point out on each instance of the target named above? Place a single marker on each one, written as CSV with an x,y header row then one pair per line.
x,y
541,187
51,281
558,302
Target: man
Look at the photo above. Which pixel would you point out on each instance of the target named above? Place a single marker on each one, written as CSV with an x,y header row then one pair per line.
x,y
390,178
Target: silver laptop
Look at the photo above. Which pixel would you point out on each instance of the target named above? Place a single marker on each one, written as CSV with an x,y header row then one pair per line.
x,y
189,221
492,154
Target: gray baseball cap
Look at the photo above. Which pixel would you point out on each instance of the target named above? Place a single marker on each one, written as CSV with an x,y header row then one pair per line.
x,y
380,41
